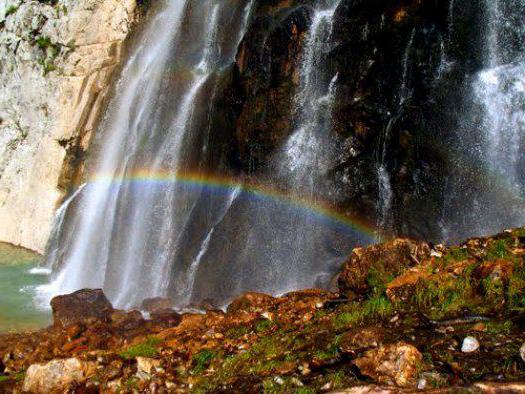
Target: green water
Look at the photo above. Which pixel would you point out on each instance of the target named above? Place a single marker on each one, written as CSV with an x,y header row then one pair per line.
x,y
17,310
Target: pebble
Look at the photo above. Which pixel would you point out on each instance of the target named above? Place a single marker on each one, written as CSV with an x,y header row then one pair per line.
x,y
421,384
522,352
470,344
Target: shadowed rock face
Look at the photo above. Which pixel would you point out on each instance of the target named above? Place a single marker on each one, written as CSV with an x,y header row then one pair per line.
x,y
80,306
402,77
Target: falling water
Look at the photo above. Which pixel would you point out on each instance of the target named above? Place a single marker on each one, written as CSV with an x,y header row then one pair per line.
x,y
127,232
195,243
310,149
385,192
489,189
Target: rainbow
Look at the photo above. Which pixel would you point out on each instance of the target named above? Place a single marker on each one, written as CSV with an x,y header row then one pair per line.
x,y
221,183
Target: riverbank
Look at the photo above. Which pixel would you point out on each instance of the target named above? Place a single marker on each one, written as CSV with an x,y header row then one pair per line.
x,y
408,316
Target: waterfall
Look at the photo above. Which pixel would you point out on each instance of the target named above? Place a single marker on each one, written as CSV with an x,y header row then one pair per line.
x,y
384,181
487,191
126,231
140,229
309,150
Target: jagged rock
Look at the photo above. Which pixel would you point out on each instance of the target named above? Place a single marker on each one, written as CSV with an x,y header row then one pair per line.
x,y
357,341
57,376
392,364
166,317
500,270
81,306
393,258
403,287
156,304
127,320
251,302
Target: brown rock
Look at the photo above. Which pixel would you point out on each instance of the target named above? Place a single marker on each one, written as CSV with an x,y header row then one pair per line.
x,y
146,365
156,304
360,340
57,376
251,302
500,270
392,258
166,317
370,389
496,388
393,364
403,287
80,306
127,320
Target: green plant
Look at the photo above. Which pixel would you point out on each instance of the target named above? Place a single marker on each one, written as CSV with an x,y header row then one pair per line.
x,y
145,349
11,10
202,360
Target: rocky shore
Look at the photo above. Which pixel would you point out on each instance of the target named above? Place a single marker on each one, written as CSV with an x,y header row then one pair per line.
x,y
407,317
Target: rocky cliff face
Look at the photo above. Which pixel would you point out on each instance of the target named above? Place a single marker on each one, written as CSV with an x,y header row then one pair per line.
x,y
403,71
57,59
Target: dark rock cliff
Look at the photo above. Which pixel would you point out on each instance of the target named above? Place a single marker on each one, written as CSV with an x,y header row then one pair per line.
x,y
403,68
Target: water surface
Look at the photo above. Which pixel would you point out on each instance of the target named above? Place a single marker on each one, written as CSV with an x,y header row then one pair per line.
x,y
17,309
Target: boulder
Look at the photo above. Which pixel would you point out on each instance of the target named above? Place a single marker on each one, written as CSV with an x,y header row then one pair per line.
x,y
394,364
80,306
127,320
166,317
360,340
390,259
57,376
146,367
251,302
499,270
404,286
156,304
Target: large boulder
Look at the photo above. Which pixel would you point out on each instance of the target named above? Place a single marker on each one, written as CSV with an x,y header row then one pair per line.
x,y
57,376
382,261
395,364
80,306
251,302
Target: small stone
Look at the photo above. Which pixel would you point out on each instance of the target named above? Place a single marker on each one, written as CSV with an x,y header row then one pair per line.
x,y
479,327
470,345
327,386
279,380
421,384
147,365
522,352
57,375
393,364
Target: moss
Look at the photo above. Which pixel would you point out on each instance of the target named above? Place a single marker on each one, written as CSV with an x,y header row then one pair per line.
x,y
378,307
377,278
264,325
202,360
238,331
499,249
11,10
145,349
455,254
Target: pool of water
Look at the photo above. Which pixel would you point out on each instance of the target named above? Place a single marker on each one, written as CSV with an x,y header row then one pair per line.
x,y
18,279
